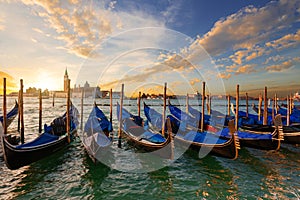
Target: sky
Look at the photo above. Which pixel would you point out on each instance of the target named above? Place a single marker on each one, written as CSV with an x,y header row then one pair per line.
x,y
143,44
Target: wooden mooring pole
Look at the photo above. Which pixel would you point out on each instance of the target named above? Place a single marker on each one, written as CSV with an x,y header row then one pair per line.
x,y
203,107
288,111
259,107
228,105
237,102
111,135
81,109
53,97
139,104
40,110
187,103
247,105
4,108
265,122
163,127
68,112
120,117
21,112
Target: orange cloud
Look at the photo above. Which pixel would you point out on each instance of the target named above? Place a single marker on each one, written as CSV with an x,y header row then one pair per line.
x,y
11,85
285,41
81,27
280,67
249,26
246,69
224,75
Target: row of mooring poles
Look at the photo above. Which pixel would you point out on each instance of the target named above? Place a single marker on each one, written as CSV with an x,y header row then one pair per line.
x,y
265,114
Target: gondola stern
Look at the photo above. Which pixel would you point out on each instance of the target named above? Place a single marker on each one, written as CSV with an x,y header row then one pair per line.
x,y
235,139
279,129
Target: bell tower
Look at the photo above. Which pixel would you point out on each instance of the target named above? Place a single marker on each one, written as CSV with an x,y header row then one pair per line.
x,y
66,77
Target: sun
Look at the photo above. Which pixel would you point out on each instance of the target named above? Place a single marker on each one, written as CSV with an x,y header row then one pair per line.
x,y
46,82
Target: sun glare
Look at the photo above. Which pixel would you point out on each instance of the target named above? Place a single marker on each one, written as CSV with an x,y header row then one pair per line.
x,y
46,82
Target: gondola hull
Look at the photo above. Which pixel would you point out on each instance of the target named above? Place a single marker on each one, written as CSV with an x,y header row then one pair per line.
x,y
94,150
163,150
226,150
291,134
261,144
264,143
292,138
16,158
95,139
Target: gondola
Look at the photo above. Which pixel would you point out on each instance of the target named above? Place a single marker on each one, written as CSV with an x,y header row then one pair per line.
x,y
51,140
291,134
144,139
195,140
11,114
265,140
96,135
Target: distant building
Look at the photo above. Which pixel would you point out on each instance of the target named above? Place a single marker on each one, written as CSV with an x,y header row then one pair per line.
x,y
66,78
88,91
76,92
59,93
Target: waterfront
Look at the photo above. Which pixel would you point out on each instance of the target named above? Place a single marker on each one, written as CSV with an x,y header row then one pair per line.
x,y
70,174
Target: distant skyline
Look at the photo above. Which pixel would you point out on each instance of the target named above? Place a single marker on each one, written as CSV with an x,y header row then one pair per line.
x,y
146,43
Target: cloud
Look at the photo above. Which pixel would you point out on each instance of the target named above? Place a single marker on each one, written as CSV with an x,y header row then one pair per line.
x,y
296,59
274,59
249,26
238,56
231,68
82,25
246,69
285,42
172,11
280,67
224,75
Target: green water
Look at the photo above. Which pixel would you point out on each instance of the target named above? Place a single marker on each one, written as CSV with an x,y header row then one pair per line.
x,y
70,174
